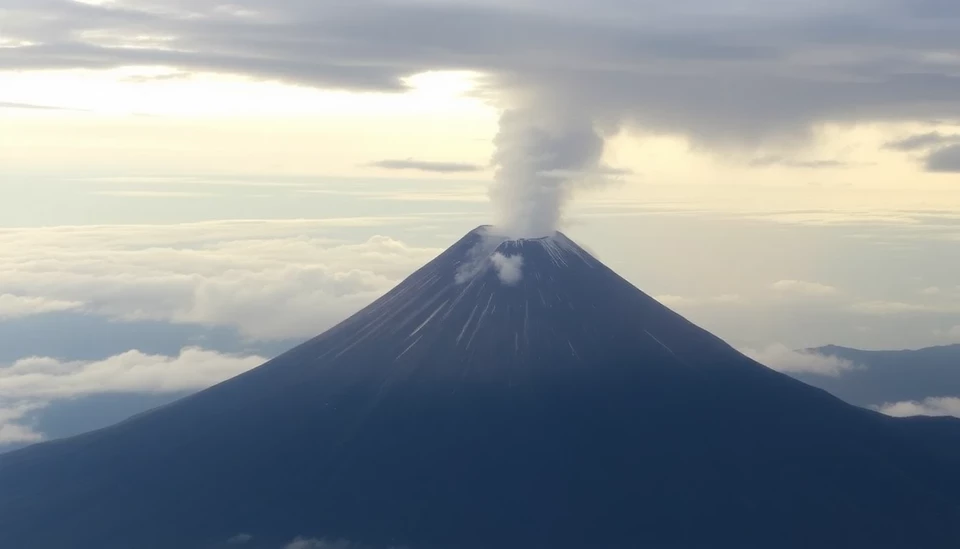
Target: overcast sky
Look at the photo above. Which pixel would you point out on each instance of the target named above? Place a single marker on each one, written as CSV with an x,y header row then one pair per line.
x,y
187,181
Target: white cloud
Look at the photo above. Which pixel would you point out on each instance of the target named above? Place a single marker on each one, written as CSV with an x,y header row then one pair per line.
x,y
941,406
783,359
239,539
269,279
12,431
509,268
32,383
18,306
800,287
44,379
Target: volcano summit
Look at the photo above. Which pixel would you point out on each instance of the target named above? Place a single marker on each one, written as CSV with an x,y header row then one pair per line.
x,y
511,394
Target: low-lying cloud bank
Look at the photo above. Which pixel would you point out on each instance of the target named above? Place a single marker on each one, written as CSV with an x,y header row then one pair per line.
x,y
30,384
41,378
783,359
940,406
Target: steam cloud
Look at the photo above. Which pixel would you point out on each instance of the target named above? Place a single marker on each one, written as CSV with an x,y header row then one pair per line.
x,y
509,268
541,155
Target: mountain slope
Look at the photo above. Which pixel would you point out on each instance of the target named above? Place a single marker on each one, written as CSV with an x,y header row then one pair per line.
x,y
509,394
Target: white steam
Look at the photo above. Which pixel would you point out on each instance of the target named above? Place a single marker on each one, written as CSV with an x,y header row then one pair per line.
x,y
509,268
541,155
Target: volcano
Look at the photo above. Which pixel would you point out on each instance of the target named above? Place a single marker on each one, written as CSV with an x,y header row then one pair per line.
x,y
511,394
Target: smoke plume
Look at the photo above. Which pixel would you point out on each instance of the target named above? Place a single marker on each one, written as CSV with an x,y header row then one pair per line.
x,y
541,155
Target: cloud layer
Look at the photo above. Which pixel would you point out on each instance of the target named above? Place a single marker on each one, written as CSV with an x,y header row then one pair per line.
x,y
270,280
267,279
44,378
716,71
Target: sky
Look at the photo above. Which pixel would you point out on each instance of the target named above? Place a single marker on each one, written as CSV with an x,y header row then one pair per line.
x,y
188,188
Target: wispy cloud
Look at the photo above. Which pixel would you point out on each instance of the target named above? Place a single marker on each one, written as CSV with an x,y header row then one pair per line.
x,y
941,150
239,539
36,107
19,306
153,194
427,166
787,162
923,141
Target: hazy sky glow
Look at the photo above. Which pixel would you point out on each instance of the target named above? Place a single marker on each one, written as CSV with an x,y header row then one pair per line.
x,y
786,174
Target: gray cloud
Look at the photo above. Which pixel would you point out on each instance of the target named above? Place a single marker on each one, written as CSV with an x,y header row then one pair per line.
x,y
923,141
942,150
426,166
945,160
716,72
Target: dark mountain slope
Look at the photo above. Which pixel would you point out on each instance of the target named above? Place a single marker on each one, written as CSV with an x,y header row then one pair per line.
x,y
565,410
